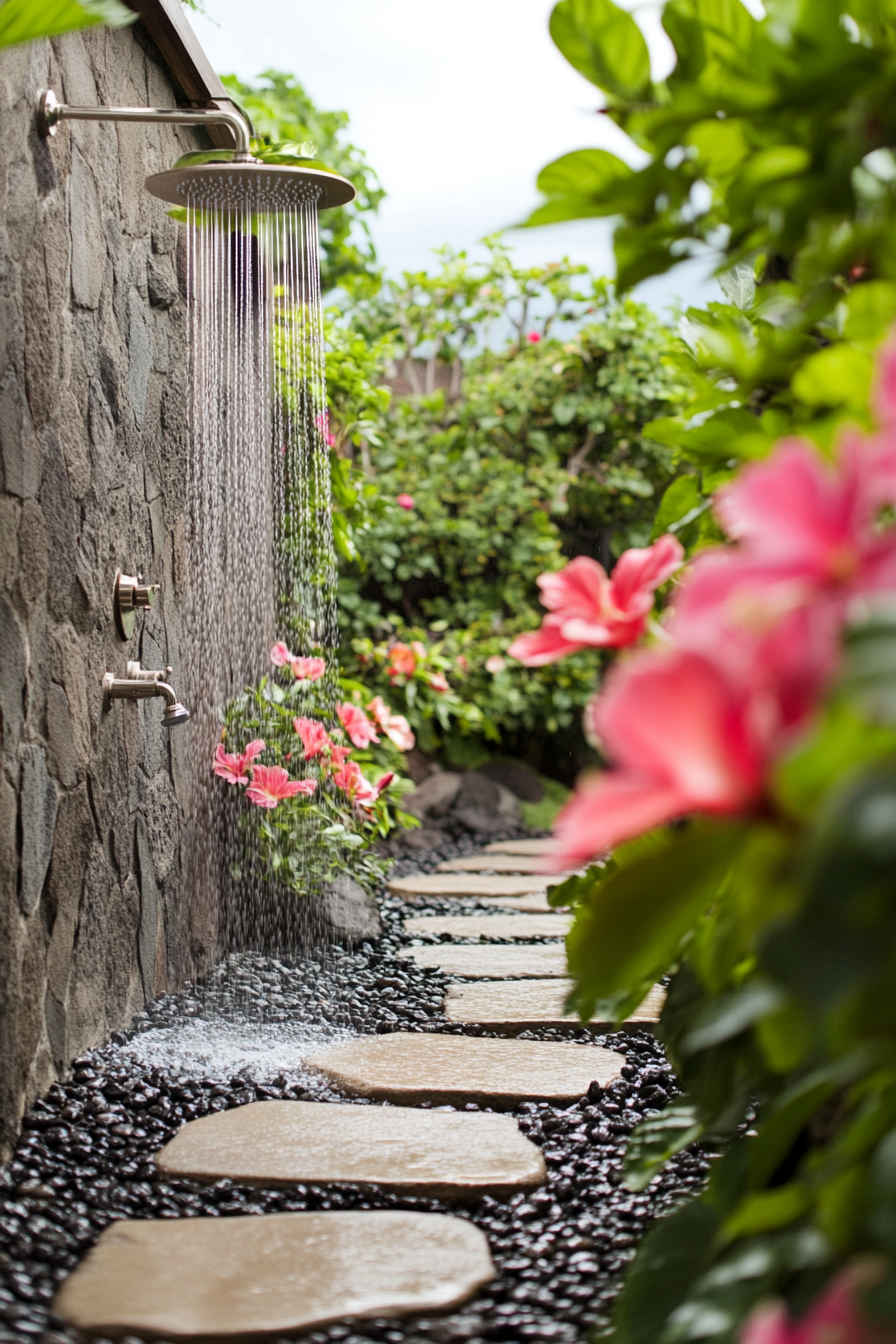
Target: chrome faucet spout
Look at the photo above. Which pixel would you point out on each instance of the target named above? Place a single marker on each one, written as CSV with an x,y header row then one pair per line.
x,y
140,684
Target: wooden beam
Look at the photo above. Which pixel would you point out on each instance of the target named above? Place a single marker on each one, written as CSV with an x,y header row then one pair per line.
x,y
190,69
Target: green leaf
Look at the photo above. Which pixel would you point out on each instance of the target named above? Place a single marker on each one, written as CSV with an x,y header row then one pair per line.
x,y
767,1210
681,505
28,20
588,173
772,164
839,375
604,44
842,742
629,931
870,673
657,1139
722,1018
870,310
673,1255
579,888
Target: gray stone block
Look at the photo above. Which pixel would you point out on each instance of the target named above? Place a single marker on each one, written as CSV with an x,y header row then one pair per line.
x,y
63,752
38,804
350,915
12,678
20,449
434,796
149,911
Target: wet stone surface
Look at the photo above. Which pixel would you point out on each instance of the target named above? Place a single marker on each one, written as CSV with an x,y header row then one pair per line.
x,y
85,1157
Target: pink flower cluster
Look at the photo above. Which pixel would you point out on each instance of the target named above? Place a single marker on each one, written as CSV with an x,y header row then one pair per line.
x,y
303,669
268,784
755,632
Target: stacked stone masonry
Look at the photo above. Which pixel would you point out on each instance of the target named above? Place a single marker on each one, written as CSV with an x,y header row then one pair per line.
x,y
93,436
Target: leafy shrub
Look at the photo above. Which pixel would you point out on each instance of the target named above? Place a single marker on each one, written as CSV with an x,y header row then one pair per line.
x,y
771,144
531,448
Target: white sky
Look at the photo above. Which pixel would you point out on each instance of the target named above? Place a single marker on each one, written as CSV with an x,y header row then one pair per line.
x,y
457,108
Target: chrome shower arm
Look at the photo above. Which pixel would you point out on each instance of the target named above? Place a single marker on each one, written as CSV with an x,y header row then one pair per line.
x,y
50,112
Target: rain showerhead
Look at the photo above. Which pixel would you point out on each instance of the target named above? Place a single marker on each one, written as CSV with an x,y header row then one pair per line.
x,y
236,180
261,188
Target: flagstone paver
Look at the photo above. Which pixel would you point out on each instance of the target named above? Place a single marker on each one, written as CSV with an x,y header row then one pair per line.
x,y
247,1278
518,1005
501,863
434,1153
542,845
535,903
491,960
410,1067
464,884
491,926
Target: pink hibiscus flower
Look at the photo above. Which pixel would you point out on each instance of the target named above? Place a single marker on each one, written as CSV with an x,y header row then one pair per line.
x,y
232,766
533,338
684,736
271,784
308,669
438,682
280,654
589,610
315,738
395,726
357,725
405,501
809,545
835,1318
359,790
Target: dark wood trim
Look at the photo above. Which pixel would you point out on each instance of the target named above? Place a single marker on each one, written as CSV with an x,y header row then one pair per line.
x,y
191,70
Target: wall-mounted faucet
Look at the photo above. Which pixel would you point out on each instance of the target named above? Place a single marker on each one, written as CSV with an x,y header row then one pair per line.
x,y
140,684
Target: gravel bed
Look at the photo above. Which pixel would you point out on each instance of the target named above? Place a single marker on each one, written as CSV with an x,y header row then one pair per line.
x,y
85,1157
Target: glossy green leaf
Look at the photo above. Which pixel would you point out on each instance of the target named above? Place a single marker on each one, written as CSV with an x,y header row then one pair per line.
x,y
673,1255
839,375
681,505
27,20
604,44
628,932
584,172
657,1139
729,1015
767,1211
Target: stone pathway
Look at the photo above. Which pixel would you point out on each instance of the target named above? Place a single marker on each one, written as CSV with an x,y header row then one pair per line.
x,y
520,1005
238,1278
491,961
491,926
465,884
545,846
500,863
228,1279
408,1069
442,1155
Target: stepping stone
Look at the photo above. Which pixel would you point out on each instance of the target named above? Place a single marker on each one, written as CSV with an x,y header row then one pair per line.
x,y
532,1003
491,926
248,1278
438,1154
465,884
500,863
534,904
545,845
491,962
410,1067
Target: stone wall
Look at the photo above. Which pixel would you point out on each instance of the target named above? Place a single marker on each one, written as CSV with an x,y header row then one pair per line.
x,y
93,412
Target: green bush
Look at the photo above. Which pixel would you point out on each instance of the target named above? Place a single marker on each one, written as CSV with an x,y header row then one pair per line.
x,y
772,145
527,449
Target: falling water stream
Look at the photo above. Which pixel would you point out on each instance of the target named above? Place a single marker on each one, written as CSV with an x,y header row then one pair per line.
x,y
261,558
